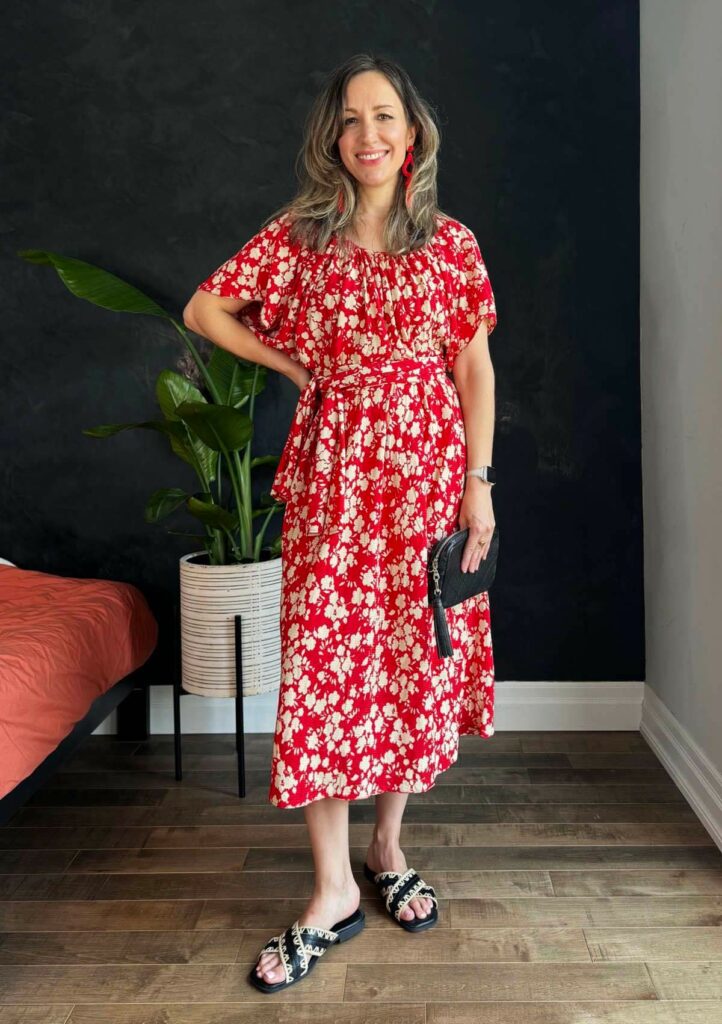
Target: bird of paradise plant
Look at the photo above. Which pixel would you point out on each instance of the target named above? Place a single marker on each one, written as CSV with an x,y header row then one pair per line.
x,y
207,415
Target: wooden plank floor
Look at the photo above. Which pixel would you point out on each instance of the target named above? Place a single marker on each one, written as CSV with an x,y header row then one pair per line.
x,y
576,885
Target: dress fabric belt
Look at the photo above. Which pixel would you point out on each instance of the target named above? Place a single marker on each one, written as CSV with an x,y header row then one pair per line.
x,y
318,434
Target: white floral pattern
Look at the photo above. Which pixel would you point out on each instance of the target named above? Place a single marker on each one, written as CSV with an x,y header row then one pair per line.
x,y
372,474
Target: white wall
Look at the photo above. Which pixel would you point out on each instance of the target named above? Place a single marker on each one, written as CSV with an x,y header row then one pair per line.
x,y
681,360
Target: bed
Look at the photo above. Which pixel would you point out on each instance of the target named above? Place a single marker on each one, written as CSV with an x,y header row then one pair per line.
x,y
70,651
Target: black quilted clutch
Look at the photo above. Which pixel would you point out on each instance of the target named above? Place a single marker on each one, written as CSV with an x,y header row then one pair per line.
x,y
448,585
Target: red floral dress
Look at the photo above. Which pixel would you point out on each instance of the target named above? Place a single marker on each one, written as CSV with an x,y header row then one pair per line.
x,y
372,474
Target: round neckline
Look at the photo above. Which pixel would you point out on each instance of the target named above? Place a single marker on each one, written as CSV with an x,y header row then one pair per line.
x,y
389,255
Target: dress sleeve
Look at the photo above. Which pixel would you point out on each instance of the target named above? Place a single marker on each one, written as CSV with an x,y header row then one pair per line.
x,y
473,297
262,272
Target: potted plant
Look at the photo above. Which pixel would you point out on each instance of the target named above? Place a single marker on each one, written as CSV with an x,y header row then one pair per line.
x,y
206,412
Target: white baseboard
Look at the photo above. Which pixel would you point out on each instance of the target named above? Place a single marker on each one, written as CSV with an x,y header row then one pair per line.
x,y
212,714
108,727
535,706
685,761
568,706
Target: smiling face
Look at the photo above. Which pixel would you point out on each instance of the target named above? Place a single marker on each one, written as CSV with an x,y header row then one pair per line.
x,y
375,134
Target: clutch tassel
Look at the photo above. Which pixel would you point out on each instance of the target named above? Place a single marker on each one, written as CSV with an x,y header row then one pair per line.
x,y
441,628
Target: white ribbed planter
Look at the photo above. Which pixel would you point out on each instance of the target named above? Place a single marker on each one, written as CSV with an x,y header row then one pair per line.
x,y
210,598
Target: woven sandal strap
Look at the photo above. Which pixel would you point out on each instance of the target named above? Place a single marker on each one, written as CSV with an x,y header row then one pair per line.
x,y
318,936
389,874
293,953
409,886
396,883
278,944
297,945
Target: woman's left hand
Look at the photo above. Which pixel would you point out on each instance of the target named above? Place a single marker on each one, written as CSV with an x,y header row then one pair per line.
x,y
477,513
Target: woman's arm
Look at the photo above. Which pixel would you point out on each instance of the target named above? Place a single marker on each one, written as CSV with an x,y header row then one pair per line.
x,y
474,379
473,374
214,317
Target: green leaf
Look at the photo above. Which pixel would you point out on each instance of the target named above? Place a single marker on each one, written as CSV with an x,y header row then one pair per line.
x,y
95,285
161,426
218,426
233,376
211,514
173,389
265,460
263,511
161,503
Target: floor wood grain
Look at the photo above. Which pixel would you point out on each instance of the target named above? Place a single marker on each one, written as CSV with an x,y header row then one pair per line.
x,y
575,885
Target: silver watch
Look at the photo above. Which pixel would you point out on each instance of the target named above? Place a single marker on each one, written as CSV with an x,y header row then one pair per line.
x,y
487,473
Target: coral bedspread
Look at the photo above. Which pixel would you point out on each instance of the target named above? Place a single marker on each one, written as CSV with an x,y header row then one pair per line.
x,y
63,642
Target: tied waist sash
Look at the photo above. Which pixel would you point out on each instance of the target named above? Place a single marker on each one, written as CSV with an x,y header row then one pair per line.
x,y
316,443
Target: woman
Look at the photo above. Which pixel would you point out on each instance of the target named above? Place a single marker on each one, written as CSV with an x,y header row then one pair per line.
x,y
368,297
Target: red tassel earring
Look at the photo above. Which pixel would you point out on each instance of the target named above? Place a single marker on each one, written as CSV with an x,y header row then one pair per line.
x,y
340,201
407,171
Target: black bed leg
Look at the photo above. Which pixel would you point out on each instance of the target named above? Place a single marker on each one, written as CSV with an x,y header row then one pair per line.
x,y
177,670
240,748
133,715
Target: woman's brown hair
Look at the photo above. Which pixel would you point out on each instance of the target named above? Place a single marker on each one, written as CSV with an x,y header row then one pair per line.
x,y
323,177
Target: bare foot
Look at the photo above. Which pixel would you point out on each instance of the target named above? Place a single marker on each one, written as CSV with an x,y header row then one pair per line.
x,y
391,858
325,909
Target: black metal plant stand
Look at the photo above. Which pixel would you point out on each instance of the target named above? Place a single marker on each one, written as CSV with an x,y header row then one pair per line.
x,y
178,691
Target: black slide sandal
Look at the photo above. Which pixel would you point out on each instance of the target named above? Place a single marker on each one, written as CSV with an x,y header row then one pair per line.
x,y
397,889
301,946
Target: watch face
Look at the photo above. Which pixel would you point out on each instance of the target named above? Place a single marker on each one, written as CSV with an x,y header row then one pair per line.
x,y
491,474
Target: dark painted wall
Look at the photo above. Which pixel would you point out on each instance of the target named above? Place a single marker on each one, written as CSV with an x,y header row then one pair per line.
x,y
153,139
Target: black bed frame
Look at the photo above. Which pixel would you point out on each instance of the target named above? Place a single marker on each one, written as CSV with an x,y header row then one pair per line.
x,y
131,696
